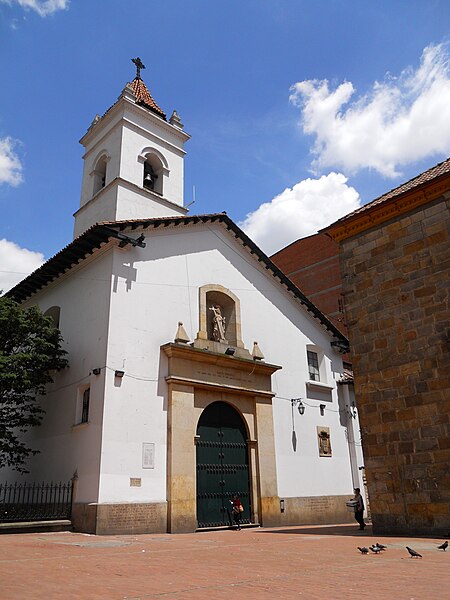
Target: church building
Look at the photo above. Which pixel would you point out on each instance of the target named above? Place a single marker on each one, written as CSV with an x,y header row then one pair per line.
x,y
197,370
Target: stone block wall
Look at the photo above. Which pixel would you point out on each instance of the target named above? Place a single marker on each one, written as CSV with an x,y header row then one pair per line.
x,y
396,284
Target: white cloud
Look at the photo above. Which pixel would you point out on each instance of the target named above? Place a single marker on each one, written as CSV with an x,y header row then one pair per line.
x,y
42,7
300,211
10,165
16,263
402,120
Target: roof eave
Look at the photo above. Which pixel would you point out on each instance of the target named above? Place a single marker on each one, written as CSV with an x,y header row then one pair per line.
x,y
100,234
397,205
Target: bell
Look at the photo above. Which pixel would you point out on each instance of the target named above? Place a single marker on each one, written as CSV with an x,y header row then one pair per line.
x,y
149,181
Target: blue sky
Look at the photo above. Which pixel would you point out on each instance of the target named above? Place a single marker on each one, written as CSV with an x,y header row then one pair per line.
x,y
299,110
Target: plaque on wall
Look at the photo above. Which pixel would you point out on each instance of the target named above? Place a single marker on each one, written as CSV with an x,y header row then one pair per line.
x,y
135,482
148,456
323,437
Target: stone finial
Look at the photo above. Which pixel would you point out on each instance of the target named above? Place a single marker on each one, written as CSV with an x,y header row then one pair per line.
x,y
95,120
128,93
175,120
181,337
256,352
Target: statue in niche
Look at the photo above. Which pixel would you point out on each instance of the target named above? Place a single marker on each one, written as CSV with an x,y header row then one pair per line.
x,y
324,441
219,323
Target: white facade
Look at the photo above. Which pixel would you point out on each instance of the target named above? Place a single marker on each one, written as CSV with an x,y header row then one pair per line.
x,y
120,306
117,310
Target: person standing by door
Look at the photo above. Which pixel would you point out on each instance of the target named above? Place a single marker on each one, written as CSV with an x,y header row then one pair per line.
x,y
238,509
359,508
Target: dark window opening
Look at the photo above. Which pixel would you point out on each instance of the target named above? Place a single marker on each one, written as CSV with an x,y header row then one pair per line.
x,y
313,366
85,406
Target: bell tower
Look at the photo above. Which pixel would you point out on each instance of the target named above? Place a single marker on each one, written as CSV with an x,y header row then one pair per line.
x,y
133,161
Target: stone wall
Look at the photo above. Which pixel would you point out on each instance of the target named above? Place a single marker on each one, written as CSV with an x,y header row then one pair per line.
x,y
316,510
116,519
395,281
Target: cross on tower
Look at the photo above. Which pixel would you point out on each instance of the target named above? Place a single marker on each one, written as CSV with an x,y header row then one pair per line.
x,y
139,65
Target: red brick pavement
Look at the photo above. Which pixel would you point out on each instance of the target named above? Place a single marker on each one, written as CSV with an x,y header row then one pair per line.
x,y
293,562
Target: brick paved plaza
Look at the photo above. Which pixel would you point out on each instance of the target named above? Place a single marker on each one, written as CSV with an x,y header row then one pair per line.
x,y
296,562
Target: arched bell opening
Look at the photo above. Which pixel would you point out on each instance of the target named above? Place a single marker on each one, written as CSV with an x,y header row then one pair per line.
x,y
99,174
222,465
153,174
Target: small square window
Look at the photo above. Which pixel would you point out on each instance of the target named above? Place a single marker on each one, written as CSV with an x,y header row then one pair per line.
x,y
313,366
85,405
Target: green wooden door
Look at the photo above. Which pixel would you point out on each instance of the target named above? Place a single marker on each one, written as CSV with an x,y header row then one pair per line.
x,y
222,465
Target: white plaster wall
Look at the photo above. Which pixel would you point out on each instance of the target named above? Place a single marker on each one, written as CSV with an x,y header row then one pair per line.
x,y
83,297
120,201
156,287
102,207
136,139
132,204
108,141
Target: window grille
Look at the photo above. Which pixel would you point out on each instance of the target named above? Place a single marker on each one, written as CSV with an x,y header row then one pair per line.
x,y
313,366
85,407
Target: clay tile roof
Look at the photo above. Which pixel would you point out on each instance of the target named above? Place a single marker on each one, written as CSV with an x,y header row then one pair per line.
x,y
347,377
436,171
144,98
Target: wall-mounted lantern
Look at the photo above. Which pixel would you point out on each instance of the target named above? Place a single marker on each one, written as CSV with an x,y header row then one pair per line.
x,y
300,406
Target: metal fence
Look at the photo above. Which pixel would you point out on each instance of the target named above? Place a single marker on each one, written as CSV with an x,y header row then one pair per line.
x,y
35,501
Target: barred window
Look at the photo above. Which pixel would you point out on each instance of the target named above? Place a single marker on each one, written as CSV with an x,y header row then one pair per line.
x,y
85,405
313,366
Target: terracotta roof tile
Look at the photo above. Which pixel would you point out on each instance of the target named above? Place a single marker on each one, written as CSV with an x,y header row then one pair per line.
x,y
144,98
436,171
347,376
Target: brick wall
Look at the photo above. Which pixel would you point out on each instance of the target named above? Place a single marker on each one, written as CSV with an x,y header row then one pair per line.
x,y
395,284
312,263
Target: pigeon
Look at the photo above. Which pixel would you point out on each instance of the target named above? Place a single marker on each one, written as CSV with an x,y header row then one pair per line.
x,y
378,547
375,549
363,550
443,546
413,553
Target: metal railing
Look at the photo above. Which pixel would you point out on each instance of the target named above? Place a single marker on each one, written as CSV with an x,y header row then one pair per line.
x,y
35,501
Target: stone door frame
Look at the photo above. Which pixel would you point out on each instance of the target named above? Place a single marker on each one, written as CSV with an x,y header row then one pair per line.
x,y
195,379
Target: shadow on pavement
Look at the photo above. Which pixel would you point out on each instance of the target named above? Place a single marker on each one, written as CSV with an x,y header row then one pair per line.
x,y
346,530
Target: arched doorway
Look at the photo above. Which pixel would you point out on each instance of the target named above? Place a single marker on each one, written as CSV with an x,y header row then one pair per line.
x,y
222,465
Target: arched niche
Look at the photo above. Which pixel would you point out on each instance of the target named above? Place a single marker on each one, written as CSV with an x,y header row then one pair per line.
x,y
55,313
217,302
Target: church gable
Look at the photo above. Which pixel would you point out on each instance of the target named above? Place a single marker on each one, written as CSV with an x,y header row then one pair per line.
x,y
123,234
